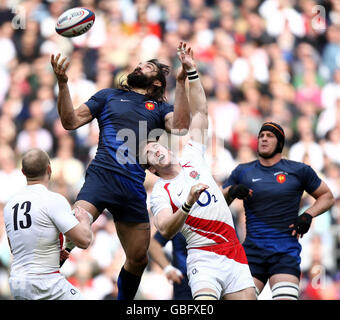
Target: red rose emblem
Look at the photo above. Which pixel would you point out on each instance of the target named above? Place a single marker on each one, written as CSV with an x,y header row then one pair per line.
x,y
194,174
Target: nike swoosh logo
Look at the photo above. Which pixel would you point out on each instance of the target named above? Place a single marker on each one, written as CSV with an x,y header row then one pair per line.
x,y
258,179
124,100
180,193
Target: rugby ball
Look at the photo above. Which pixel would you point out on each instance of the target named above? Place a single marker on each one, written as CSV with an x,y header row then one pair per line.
x,y
74,22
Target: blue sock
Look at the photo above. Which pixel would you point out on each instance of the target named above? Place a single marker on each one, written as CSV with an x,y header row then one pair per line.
x,y
128,284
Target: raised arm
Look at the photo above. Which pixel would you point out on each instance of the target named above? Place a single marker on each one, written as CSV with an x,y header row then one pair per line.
x,y
178,122
70,117
197,99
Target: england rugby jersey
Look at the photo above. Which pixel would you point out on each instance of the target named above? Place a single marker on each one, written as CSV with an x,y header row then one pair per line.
x,y
209,221
34,218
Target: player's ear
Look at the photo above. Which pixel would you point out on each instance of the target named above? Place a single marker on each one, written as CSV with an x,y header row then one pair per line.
x,y
157,83
49,171
152,169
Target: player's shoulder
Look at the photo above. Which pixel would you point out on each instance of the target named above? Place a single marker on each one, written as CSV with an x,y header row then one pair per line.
x,y
108,91
158,185
105,93
160,188
246,165
294,165
55,198
164,104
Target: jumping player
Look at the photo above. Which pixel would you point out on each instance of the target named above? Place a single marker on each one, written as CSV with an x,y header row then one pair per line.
x,y
186,198
271,189
114,179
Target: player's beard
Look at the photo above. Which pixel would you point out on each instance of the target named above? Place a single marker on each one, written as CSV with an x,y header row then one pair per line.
x,y
139,80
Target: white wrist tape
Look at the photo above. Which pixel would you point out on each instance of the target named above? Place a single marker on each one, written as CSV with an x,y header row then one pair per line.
x,y
186,208
192,75
69,245
170,268
88,213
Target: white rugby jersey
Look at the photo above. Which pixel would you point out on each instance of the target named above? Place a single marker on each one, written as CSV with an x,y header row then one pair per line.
x,y
34,218
209,221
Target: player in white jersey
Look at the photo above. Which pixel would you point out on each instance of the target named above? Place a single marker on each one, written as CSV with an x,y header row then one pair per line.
x,y
35,218
186,198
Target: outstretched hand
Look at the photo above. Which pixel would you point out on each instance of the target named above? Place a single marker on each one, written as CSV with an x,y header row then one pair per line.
x,y
186,56
59,68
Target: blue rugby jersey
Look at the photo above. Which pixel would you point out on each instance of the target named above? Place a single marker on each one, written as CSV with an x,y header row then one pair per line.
x,y
125,119
277,191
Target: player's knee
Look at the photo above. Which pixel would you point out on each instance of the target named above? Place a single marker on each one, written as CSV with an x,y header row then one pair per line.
x,y
249,294
285,290
138,261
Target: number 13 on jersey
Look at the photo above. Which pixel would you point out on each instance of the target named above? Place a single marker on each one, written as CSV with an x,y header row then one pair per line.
x,y
24,209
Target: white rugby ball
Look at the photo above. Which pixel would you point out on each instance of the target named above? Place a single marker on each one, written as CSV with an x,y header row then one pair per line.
x,y
74,22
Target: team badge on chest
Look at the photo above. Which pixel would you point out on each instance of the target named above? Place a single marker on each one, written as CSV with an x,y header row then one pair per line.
x,y
194,174
280,178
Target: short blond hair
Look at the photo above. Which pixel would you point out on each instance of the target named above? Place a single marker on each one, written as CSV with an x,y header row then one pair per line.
x,y
34,163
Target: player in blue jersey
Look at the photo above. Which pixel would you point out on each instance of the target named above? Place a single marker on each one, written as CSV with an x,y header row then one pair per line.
x,y
176,270
271,189
135,112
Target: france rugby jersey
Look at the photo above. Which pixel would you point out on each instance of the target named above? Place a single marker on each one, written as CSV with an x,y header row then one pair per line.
x,y
125,119
277,192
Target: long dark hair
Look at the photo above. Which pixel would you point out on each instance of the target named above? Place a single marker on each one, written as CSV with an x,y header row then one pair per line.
x,y
156,93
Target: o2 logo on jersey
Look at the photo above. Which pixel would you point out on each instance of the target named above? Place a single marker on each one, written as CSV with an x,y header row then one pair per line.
x,y
149,105
208,199
281,178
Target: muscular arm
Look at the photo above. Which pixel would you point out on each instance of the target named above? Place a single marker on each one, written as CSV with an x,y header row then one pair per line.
x,y
178,122
324,200
181,115
169,223
70,117
198,103
80,234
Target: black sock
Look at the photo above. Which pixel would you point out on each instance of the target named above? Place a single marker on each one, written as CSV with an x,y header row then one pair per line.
x,y
128,284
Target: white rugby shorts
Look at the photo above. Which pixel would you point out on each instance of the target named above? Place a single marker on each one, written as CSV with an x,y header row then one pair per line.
x,y
43,287
208,269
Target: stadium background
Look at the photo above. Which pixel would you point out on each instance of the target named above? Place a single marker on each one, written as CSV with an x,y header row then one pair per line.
x,y
259,60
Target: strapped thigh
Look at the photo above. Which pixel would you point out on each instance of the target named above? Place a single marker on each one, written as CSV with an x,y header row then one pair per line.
x,y
205,295
285,290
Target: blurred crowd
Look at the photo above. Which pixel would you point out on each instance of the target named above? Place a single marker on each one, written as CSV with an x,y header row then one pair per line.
x,y
258,60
